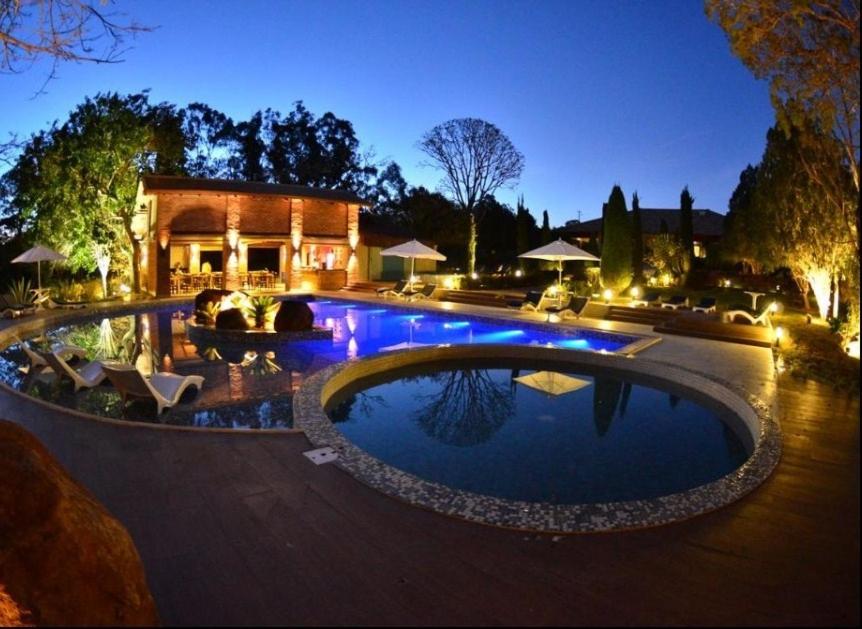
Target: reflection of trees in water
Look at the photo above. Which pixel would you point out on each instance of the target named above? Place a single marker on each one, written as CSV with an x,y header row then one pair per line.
x,y
606,397
467,407
366,401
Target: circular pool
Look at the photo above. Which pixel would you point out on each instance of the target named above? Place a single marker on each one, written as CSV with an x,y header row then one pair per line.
x,y
541,439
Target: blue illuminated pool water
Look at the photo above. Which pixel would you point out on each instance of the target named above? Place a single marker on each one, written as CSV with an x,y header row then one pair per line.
x,y
482,430
242,390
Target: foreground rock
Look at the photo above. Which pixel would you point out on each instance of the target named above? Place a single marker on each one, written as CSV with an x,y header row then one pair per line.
x,y
62,556
293,316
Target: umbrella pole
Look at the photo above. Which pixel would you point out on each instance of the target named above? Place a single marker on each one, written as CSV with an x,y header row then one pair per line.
x,y
39,274
412,263
560,283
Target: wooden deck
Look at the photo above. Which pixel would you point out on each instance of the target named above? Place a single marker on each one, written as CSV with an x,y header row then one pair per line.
x,y
242,529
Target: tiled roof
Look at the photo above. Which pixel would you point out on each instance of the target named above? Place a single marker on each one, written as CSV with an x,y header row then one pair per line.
x,y
191,184
704,222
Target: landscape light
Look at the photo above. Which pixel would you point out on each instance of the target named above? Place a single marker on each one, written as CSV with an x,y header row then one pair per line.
x,y
474,275
518,273
608,294
773,307
779,334
635,292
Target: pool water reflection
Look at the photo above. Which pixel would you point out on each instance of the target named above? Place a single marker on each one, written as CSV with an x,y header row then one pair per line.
x,y
254,389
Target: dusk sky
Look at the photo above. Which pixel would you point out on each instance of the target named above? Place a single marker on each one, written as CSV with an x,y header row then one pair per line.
x,y
645,94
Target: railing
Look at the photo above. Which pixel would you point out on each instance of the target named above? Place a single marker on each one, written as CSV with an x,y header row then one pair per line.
x,y
185,283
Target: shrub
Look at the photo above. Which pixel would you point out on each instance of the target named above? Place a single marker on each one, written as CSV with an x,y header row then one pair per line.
x,y
616,265
19,292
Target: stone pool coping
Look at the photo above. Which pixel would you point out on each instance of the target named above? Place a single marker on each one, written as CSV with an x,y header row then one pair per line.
x,y
310,416
49,319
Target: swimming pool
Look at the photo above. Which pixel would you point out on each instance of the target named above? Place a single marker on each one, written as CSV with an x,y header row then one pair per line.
x,y
254,389
519,432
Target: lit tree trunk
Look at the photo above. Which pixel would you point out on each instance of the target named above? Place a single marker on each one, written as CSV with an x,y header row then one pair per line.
x,y
835,296
472,239
803,286
820,281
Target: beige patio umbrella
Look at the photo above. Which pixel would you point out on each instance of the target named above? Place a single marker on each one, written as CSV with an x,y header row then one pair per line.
x,y
552,382
413,249
559,251
39,254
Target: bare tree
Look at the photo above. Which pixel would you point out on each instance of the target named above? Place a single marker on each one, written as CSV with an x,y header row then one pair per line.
x,y
64,30
477,159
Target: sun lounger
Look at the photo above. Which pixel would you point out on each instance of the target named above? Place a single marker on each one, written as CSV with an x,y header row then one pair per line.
x,y
675,302
706,304
759,317
398,289
165,389
648,300
574,308
85,375
8,309
425,293
66,305
38,362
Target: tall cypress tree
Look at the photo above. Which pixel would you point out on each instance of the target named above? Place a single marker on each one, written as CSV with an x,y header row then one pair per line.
x,y
616,265
637,240
686,229
522,231
546,228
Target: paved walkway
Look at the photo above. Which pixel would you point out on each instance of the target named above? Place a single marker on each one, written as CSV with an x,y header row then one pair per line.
x,y
242,529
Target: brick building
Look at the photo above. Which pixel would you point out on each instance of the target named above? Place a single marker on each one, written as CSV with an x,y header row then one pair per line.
x,y
198,233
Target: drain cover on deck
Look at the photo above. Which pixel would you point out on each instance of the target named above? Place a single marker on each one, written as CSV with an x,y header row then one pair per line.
x,y
322,455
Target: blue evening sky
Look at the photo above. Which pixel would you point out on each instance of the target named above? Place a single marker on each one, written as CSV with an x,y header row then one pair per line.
x,y
645,94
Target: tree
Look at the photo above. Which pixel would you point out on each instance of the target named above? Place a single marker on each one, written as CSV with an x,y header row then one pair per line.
x,y
740,242
210,135
667,255
74,194
797,228
525,226
63,30
248,159
637,240
477,159
496,247
686,229
546,228
809,53
616,264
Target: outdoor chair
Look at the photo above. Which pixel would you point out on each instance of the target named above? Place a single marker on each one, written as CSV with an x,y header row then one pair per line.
x,y
85,375
532,300
66,305
13,310
574,308
706,304
675,302
398,289
67,352
425,293
758,317
165,389
648,300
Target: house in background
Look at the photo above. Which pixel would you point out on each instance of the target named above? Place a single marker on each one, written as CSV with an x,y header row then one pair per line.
x,y
213,233
708,227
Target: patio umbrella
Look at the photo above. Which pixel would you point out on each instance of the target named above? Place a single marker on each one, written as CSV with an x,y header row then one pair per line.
x,y
39,254
552,382
413,249
558,251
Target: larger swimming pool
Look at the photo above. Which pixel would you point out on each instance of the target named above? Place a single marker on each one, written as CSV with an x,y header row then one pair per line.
x,y
247,388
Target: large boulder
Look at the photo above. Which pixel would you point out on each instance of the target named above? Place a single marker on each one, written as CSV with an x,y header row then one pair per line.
x,y
293,316
63,557
231,319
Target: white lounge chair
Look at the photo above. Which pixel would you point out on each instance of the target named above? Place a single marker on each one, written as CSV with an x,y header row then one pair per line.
x,y
573,308
86,375
760,317
10,309
396,290
425,293
675,302
36,359
165,388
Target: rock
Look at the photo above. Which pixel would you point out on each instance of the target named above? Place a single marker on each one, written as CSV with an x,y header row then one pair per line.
x,y
293,316
63,557
231,319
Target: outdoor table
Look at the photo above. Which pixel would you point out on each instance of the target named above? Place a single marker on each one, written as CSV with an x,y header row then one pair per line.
x,y
754,296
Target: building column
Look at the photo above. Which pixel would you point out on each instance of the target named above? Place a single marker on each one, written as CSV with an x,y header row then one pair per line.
x,y
353,241
230,251
296,213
